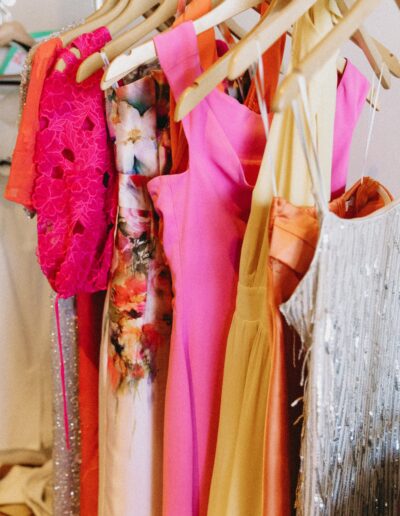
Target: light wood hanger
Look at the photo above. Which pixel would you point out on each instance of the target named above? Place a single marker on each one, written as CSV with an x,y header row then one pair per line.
x,y
364,41
125,63
391,60
237,30
94,62
246,54
102,21
105,7
341,65
279,15
322,52
276,21
166,10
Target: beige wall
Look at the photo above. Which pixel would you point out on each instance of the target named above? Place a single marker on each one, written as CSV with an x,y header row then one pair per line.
x,y
50,14
384,156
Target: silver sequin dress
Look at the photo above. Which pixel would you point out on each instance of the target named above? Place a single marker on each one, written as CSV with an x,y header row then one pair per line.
x,y
347,313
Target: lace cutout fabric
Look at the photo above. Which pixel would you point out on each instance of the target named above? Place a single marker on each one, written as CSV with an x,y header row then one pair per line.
x,y
75,194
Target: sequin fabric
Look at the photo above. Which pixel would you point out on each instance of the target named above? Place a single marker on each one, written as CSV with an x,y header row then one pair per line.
x,y
347,313
66,462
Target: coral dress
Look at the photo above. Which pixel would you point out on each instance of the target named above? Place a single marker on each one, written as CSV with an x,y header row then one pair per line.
x,y
204,211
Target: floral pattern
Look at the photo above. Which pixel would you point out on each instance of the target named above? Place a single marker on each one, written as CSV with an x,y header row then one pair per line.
x,y
140,310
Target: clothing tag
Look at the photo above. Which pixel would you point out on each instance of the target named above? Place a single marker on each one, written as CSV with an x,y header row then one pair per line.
x,y
349,204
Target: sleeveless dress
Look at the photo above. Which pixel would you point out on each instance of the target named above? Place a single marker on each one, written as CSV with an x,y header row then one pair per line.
x,y
347,313
245,479
293,235
138,315
75,199
285,387
74,193
21,182
204,212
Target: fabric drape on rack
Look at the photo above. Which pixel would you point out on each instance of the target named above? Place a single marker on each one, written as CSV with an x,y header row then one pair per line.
x,y
66,461
74,171
235,456
135,347
293,237
260,366
350,445
351,93
23,171
225,141
89,313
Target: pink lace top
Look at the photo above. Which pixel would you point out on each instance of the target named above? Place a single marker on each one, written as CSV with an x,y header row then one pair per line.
x,y
75,189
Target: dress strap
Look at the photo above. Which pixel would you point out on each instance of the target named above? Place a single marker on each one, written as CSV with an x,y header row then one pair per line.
x,y
307,139
179,57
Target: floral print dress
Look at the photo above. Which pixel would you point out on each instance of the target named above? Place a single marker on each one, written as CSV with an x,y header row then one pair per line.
x,y
135,347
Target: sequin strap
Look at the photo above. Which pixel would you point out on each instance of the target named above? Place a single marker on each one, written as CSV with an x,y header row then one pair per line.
x,y
304,124
62,372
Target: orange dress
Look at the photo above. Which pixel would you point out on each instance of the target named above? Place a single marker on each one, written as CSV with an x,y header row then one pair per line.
x,y
293,234
23,173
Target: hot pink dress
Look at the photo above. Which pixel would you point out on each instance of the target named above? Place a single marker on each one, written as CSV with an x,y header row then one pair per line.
x,y
204,211
75,188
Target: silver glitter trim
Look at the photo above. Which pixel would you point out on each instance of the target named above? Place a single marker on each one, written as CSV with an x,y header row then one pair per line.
x,y
66,462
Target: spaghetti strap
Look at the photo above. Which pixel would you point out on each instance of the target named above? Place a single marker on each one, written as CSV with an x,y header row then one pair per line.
x,y
304,128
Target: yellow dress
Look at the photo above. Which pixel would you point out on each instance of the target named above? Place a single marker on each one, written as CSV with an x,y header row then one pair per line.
x,y
238,486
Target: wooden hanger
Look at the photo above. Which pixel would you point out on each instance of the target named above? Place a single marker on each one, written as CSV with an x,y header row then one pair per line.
x,y
104,8
392,61
246,55
240,33
165,11
119,45
102,21
237,30
276,21
322,52
125,63
341,65
362,39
